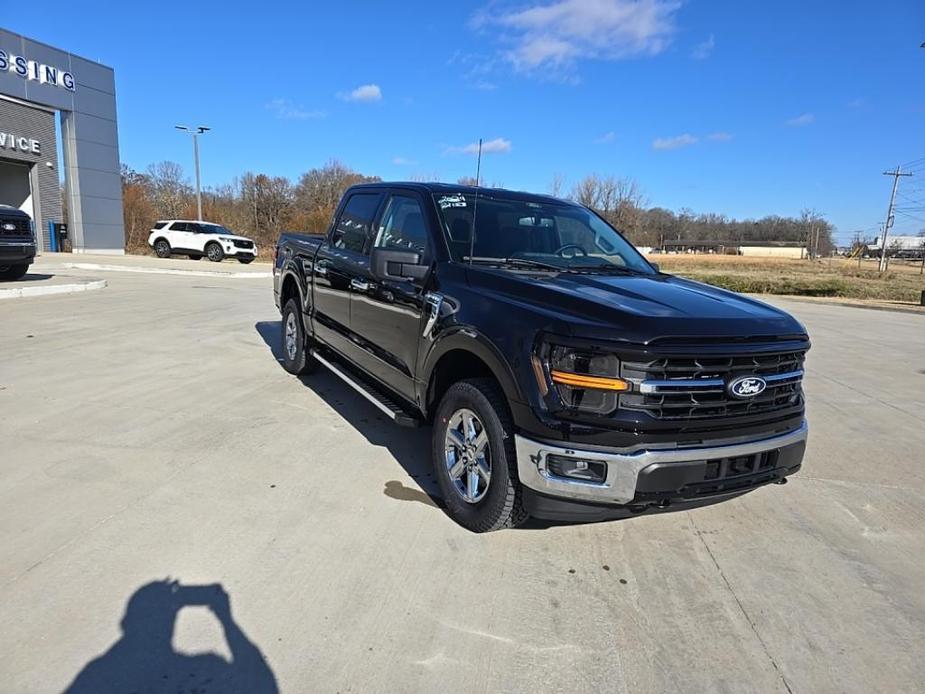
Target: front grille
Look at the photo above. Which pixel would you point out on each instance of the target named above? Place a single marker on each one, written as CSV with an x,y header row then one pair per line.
x,y
20,233
243,244
695,388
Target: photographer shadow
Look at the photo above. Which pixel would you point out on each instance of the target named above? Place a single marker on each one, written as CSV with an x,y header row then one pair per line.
x,y
143,659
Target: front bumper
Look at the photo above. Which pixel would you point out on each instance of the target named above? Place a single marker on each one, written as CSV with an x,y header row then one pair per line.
x,y
645,476
16,253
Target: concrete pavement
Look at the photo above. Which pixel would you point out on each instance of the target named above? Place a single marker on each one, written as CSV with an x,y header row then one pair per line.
x,y
149,432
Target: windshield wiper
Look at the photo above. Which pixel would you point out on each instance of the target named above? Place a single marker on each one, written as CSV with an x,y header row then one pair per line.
x,y
521,262
609,268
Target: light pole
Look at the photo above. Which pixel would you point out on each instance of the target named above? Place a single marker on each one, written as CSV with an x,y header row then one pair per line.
x,y
199,130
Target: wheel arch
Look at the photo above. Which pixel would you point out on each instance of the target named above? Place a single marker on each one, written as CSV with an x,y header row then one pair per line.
x,y
464,355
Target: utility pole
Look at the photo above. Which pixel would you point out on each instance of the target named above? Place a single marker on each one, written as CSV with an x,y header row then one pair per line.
x,y
889,214
196,133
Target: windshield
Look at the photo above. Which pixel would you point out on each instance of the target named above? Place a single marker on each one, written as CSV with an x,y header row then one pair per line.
x,y
534,234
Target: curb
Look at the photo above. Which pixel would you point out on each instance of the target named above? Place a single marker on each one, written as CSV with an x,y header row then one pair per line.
x,y
23,292
162,271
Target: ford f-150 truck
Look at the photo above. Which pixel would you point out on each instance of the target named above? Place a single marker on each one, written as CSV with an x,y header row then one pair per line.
x,y
565,377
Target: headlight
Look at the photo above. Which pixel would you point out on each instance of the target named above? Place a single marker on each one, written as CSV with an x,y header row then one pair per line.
x,y
584,380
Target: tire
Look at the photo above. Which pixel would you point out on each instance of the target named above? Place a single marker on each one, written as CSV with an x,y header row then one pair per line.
x,y
214,252
13,272
496,502
295,357
162,248
246,261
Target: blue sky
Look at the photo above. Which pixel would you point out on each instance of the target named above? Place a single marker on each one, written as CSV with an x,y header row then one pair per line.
x,y
741,108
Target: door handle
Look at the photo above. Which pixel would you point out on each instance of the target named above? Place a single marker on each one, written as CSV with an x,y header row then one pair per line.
x,y
359,285
321,268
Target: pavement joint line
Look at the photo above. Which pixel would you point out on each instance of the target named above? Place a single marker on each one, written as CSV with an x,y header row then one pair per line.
x,y
51,289
745,614
161,271
866,393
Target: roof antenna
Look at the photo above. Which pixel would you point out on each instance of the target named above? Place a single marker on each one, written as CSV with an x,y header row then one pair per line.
x,y
475,205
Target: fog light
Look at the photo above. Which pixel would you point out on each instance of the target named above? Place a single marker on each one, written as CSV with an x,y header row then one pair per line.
x,y
575,468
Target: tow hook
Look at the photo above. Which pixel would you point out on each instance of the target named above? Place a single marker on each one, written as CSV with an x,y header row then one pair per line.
x,y
782,480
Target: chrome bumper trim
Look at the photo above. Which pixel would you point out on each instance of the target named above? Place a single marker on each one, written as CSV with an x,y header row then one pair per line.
x,y
623,466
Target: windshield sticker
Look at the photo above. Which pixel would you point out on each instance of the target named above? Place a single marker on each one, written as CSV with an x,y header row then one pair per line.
x,y
451,201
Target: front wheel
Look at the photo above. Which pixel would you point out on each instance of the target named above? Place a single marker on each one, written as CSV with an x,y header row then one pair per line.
x,y
295,359
215,252
13,272
474,457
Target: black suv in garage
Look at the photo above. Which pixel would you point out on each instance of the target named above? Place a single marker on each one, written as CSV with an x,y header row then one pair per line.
x,y
17,243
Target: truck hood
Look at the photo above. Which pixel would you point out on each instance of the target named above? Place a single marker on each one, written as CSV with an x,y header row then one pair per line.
x,y
635,307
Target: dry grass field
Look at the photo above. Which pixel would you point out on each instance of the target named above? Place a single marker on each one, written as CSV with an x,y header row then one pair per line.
x,y
827,277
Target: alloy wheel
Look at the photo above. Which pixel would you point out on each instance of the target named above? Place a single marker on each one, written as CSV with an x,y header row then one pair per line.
x,y
468,456
292,332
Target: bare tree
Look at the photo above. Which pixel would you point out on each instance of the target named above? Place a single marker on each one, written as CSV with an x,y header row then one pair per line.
x,y
170,193
557,186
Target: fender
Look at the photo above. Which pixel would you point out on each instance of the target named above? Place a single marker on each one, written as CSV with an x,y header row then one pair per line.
x,y
468,339
291,269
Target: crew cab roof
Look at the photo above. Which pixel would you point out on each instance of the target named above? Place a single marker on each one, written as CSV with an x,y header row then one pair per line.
x,y
456,188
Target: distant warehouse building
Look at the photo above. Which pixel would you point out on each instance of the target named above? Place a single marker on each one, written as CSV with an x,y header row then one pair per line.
x,y
901,246
782,249
774,251
38,82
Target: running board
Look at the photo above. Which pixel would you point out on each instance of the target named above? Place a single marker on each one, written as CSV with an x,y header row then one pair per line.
x,y
377,396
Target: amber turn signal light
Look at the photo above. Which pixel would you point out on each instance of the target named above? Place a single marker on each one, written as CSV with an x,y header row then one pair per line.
x,y
574,380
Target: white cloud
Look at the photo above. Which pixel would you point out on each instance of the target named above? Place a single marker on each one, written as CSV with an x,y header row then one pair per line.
x,y
857,103
497,146
703,50
677,142
801,120
402,161
364,93
720,137
552,36
606,138
286,110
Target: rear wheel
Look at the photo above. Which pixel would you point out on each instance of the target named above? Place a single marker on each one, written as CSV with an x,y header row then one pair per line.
x,y
295,357
162,248
474,457
215,252
13,272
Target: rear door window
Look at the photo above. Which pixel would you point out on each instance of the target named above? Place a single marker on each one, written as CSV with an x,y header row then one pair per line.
x,y
352,230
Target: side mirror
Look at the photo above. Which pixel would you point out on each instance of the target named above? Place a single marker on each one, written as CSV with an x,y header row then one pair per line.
x,y
397,265
654,266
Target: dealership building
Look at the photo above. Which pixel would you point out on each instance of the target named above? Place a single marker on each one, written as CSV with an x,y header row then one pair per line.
x,y
40,85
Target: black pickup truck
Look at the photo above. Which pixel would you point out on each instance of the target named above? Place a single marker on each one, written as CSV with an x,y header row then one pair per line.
x,y
566,378
17,243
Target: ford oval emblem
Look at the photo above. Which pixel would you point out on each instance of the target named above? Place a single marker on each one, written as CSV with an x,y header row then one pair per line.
x,y
9,227
747,387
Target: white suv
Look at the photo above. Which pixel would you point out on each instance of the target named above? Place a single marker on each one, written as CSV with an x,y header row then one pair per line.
x,y
197,239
